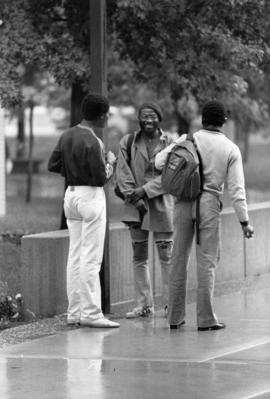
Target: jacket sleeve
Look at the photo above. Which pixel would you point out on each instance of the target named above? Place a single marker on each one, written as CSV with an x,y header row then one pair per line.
x,y
124,175
161,157
236,185
55,160
153,188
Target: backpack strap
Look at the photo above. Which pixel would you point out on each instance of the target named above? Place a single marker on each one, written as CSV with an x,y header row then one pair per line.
x,y
129,144
117,191
191,138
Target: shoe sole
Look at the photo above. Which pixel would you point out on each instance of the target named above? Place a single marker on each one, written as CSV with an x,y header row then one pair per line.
x,y
220,326
97,325
143,316
175,326
73,323
94,326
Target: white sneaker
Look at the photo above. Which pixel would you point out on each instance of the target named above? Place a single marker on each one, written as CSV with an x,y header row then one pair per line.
x,y
100,323
140,311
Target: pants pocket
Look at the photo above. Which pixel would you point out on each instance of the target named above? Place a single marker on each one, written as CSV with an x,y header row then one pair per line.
x,y
90,209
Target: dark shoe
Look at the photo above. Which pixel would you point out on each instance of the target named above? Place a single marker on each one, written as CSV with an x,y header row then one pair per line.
x,y
175,326
218,326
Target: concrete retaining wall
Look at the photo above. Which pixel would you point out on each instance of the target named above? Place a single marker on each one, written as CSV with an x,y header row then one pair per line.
x,y
44,259
43,267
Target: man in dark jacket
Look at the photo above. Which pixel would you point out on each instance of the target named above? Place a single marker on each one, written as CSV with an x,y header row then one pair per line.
x,y
80,157
140,183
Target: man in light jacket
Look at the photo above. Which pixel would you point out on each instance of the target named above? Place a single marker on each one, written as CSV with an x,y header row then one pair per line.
x,y
140,183
222,162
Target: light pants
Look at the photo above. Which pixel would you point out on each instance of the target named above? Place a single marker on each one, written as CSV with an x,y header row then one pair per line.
x,y
207,256
142,280
85,210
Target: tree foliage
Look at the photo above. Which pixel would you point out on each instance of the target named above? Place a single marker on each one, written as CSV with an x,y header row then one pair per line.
x,y
209,48
47,36
204,48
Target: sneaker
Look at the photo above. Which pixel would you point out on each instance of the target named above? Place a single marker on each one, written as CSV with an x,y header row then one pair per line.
x,y
100,323
175,326
140,311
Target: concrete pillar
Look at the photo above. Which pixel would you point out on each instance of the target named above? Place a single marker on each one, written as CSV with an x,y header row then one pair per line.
x,y
2,164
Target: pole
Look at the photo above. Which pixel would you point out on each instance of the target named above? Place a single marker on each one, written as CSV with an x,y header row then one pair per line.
x,y
98,84
2,164
30,154
98,80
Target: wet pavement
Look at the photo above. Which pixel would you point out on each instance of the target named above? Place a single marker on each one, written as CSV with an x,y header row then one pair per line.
x,y
144,359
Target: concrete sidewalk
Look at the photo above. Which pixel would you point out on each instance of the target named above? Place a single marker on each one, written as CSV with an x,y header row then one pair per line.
x,y
144,359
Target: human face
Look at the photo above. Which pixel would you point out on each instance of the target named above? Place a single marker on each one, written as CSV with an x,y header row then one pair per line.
x,y
148,120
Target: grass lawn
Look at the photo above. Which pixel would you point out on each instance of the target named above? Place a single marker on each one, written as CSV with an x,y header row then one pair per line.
x,y
42,214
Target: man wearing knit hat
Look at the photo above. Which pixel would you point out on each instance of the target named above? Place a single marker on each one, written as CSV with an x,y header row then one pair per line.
x,y
221,162
140,183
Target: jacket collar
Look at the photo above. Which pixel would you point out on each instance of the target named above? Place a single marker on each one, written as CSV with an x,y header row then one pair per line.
x,y
138,133
141,146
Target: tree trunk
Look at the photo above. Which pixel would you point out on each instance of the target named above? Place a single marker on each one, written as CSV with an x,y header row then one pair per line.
x,y
246,147
30,155
77,94
183,124
20,150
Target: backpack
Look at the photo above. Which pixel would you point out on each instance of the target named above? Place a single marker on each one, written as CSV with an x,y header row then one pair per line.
x,y
117,190
182,173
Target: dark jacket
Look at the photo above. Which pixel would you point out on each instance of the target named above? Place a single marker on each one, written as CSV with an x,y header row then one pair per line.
x,y
141,172
78,157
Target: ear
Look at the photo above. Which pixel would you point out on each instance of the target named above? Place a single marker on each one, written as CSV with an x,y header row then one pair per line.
x,y
103,117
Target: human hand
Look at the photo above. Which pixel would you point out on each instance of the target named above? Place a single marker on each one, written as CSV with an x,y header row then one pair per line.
x,y
111,158
248,231
140,205
136,195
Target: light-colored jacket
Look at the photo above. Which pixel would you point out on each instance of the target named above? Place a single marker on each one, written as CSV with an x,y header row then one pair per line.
x,y
140,171
222,162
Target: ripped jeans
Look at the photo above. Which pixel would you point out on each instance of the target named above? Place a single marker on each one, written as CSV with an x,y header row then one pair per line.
x,y
142,280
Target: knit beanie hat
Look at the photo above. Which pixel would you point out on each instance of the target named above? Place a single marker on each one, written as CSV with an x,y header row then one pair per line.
x,y
93,106
155,107
213,113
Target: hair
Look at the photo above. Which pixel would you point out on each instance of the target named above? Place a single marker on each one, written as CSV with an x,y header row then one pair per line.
x,y
213,113
93,106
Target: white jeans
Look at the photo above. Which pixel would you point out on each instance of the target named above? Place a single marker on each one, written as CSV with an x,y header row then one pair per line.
x,y
85,210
